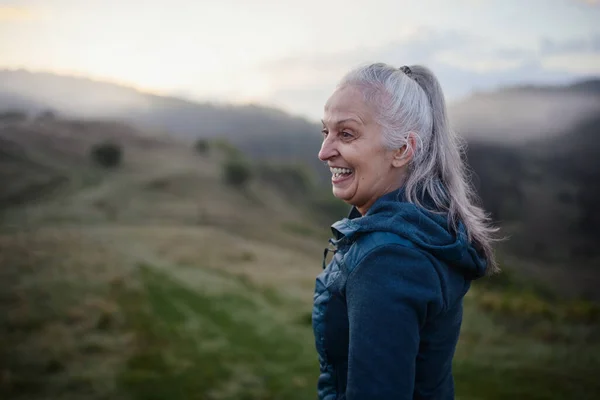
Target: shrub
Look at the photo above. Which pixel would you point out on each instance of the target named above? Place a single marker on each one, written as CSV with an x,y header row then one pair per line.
x,y
13,116
108,155
47,115
202,146
237,172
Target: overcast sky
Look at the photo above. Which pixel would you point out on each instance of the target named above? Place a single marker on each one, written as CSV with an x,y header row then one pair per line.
x,y
290,54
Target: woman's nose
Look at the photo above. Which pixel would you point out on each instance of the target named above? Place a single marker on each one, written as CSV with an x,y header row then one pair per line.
x,y
328,150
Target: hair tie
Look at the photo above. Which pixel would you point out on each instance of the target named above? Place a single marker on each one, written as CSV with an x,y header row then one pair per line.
x,y
406,70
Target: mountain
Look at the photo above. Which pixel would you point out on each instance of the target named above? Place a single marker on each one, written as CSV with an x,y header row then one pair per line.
x,y
519,114
507,116
545,193
533,150
261,131
512,114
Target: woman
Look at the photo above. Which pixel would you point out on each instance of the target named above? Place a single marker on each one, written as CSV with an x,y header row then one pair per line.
x,y
388,307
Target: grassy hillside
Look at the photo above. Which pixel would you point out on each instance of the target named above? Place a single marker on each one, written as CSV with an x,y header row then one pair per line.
x,y
159,280
545,196
260,131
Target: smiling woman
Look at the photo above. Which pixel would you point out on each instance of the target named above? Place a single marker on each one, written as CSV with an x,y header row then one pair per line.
x,y
388,307
366,170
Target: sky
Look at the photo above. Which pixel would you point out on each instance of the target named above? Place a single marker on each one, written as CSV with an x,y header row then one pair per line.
x,y
290,54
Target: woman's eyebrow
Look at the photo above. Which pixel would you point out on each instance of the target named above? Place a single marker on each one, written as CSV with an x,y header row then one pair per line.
x,y
342,121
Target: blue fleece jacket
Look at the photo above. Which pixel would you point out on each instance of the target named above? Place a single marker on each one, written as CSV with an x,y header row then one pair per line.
x,y
388,307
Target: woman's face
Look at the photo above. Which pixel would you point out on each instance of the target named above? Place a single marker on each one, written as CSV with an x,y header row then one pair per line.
x,y
362,169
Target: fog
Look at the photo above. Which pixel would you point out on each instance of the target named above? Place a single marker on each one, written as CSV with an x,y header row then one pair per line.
x,y
516,116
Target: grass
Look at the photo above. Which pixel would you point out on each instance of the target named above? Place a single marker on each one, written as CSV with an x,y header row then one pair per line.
x,y
524,355
192,345
61,335
304,230
80,321
119,292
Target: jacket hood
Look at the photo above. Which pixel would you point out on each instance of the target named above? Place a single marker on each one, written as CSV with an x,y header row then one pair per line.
x,y
429,231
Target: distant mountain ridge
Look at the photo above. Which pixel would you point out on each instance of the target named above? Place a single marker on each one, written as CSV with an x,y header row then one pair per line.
x,y
261,131
511,113
507,116
533,149
588,85
83,97
520,114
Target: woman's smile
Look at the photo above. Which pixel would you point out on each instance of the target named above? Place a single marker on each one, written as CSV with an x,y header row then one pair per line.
x,y
341,175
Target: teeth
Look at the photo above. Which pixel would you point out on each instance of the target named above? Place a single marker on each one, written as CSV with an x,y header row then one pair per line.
x,y
340,171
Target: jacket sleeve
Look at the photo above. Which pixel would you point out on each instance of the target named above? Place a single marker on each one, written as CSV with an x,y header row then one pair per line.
x,y
389,294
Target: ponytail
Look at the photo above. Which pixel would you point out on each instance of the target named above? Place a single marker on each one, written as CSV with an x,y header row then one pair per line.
x,y
414,103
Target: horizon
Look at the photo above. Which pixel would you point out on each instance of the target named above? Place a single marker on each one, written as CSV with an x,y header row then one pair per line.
x,y
226,103
289,57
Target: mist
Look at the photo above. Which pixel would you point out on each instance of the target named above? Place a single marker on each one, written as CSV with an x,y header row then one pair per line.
x,y
515,116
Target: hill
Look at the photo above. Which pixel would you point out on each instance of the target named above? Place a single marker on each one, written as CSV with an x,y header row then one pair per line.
x,y
47,161
158,279
507,116
520,114
260,131
526,145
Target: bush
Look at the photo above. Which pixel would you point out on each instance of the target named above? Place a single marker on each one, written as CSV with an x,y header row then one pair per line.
x,y
13,116
108,155
237,172
47,115
202,146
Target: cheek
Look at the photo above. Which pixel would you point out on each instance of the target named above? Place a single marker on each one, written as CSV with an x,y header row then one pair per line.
x,y
373,172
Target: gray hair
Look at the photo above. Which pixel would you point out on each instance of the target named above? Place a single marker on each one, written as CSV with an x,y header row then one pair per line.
x,y
410,100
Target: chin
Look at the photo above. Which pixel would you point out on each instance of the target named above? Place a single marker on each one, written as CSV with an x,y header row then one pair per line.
x,y
342,194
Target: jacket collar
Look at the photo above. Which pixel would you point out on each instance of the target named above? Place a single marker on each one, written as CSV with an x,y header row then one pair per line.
x,y
347,227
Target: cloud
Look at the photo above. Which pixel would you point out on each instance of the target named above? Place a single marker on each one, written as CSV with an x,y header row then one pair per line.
x,y
589,2
463,63
419,46
19,14
586,45
445,50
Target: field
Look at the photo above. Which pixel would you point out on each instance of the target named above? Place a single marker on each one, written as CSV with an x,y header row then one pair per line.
x,y
158,280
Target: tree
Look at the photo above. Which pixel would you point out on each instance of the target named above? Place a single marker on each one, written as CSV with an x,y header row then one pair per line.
x,y
47,115
13,116
202,146
108,154
237,172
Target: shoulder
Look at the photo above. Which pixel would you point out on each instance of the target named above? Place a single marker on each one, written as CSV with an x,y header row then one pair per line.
x,y
365,245
393,264
388,246
393,256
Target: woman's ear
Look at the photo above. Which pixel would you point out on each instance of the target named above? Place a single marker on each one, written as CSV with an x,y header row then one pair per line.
x,y
404,154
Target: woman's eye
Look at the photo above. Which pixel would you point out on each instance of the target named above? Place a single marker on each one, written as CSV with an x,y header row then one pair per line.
x,y
346,135
324,132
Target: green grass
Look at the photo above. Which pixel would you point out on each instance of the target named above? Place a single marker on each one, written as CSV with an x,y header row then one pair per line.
x,y
477,381
524,355
190,345
168,331
221,309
